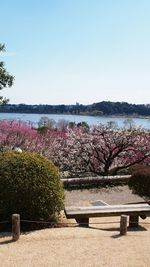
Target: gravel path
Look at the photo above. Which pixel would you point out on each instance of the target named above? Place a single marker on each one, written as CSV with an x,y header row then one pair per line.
x,y
96,246
114,195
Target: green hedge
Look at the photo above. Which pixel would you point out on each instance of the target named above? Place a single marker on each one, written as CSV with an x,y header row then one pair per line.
x,y
29,185
140,181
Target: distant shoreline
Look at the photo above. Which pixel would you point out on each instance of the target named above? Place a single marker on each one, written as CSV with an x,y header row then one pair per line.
x,y
99,109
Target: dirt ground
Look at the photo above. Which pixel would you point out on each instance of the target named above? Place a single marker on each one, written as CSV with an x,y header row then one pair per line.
x,y
96,246
113,196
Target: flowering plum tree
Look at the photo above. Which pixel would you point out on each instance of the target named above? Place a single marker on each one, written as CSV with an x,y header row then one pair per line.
x,y
104,150
21,135
101,149
119,149
14,134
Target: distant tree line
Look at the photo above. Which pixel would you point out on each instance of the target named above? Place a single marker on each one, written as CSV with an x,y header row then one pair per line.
x,y
96,109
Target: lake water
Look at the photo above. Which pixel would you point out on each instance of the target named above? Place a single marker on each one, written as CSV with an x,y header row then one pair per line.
x,y
34,119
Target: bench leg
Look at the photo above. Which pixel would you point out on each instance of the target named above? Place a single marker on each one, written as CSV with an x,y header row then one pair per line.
x,y
133,221
83,222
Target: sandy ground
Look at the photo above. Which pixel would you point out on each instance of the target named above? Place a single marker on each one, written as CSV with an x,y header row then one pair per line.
x,y
98,245
113,196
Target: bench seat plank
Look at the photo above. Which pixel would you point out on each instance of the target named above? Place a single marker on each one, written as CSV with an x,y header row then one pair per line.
x,y
106,211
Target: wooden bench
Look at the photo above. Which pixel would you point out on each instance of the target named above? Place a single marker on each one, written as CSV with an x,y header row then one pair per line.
x,y
82,214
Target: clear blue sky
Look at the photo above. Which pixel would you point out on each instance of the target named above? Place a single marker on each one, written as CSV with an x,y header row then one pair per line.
x,y
68,51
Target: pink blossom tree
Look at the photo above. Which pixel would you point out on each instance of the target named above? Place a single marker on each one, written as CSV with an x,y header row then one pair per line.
x,y
16,134
101,149
104,150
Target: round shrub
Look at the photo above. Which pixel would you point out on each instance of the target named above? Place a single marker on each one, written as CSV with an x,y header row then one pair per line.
x,y
29,185
140,181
